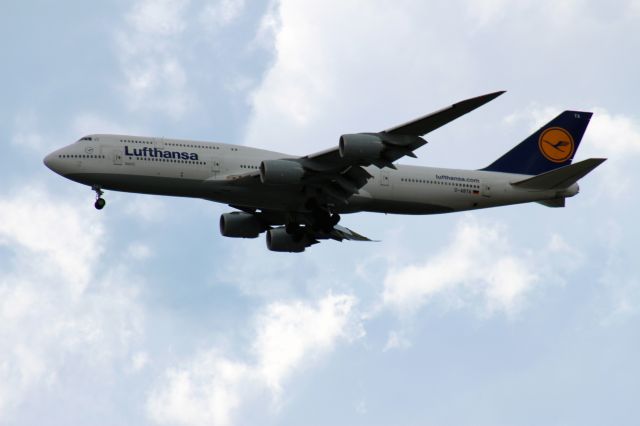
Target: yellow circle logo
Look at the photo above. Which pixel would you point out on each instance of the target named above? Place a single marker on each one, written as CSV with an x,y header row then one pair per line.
x,y
556,144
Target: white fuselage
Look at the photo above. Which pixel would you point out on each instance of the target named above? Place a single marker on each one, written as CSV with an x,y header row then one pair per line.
x,y
211,170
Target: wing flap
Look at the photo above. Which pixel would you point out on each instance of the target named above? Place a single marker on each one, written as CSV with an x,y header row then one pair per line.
x,y
342,233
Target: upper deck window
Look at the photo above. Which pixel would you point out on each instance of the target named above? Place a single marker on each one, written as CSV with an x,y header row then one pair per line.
x,y
86,138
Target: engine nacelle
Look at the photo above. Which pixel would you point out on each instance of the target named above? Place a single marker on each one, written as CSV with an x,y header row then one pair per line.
x,y
240,225
279,240
281,172
360,146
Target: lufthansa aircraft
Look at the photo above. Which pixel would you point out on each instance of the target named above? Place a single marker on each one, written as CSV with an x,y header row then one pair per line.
x,y
297,201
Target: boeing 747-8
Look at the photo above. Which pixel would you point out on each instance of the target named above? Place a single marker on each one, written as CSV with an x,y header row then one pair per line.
x,y
297,201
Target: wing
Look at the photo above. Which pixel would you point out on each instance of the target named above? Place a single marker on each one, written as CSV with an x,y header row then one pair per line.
x,y
339,172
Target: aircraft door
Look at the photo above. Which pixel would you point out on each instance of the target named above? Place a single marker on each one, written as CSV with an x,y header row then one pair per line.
x,y
384,178
117,157
486,190
216,165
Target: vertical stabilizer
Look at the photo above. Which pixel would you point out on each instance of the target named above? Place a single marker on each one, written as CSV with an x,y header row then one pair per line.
x,y
549,148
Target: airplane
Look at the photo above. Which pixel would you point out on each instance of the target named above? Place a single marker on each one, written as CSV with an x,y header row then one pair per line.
x,y
297,201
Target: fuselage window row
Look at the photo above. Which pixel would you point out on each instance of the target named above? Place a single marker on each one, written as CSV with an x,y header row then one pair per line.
x,y
134,141
80,156
164,160
183,145
432,182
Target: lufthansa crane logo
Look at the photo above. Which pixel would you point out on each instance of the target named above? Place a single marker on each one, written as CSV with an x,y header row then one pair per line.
x,y
556,144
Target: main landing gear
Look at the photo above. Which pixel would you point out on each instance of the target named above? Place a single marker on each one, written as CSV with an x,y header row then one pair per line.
x,y
100,202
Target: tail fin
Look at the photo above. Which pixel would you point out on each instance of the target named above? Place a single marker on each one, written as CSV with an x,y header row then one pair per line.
x,y
551,147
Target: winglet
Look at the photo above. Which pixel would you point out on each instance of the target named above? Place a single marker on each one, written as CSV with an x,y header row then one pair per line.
x,y
435,120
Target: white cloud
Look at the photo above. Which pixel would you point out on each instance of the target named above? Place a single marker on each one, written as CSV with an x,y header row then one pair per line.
x,y
57,306
479,264
145,208
139,360
613,135
149,52
289,332
321,83
26,133
88,123
206,390
54,231
221,13
139,251
211,387
488,11
157,17
397,340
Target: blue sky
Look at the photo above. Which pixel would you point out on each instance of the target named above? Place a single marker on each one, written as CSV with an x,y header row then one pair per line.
x,y
143,314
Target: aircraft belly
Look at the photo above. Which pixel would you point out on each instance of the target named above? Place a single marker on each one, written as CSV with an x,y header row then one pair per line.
x,y
394,206
156,185
254,196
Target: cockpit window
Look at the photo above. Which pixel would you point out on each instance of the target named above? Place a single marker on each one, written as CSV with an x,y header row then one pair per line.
x,y
86,138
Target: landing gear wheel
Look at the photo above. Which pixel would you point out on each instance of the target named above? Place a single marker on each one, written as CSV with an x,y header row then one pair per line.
x,y
100,202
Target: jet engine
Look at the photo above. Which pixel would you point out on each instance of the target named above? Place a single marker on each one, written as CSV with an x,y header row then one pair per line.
x,y
281,172
240,225
279,240
360,146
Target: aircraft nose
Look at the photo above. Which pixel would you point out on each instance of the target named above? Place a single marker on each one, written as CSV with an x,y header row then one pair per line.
x,y
52,161
48,160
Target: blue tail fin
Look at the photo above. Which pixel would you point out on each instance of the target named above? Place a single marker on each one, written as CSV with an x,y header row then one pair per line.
x,y
552,146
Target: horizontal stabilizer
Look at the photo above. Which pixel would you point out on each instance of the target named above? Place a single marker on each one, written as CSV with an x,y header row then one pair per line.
x,y
560,178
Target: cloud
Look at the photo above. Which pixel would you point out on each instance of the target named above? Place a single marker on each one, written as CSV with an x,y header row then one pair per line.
x,y
25,131
221,13
87,123
149,52
290,332
618,297
487,12
211,387
613,135
397,340
320,85
480,268
57,306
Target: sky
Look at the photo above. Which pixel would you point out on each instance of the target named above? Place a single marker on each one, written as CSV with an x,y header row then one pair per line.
x,y
143,314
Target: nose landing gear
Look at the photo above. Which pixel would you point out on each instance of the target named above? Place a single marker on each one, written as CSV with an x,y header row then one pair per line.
x,y
100,202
